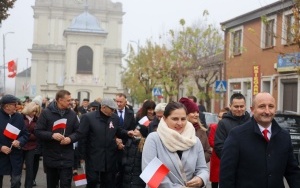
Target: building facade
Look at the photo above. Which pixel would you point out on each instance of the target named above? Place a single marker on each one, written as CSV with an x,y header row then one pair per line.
x,y
77,47
261,55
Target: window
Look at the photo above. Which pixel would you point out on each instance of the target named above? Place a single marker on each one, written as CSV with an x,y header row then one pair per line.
x,y
236,41
288,28
237,38
268,32
85,60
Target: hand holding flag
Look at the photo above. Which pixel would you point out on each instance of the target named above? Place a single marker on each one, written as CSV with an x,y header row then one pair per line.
x,y
154,173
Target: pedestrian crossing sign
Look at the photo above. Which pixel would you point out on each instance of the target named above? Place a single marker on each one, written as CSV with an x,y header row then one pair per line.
x,y
221,86
157,91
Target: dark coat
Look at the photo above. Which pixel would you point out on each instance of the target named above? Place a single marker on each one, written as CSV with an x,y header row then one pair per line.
x,y
225,125
32,141
153,125
129,120
12,163
81,110
132,165
249,161
202,135
98,147
56,155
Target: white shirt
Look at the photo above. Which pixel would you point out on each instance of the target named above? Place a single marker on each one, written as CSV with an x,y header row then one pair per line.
x,y
261,128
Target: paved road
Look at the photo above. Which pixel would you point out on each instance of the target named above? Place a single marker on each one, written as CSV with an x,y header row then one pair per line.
x,y
41,180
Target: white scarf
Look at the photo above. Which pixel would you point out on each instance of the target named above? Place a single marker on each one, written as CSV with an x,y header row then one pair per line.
x,y
175,141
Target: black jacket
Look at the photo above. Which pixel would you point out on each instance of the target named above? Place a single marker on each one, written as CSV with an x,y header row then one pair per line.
x,y
249,161
54,154
12,163
98,147
129,120
132,165
225,125
153,125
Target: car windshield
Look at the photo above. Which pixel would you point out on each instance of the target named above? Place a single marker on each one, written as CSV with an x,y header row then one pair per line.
x,y
291,123
210,118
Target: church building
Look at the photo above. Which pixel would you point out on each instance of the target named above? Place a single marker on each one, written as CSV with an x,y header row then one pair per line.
x,y
77,47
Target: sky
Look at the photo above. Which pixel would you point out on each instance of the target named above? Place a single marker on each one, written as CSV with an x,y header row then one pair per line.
x,y
143,20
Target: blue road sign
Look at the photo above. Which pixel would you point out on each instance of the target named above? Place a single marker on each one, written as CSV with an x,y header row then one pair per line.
x,y
221,86
157,91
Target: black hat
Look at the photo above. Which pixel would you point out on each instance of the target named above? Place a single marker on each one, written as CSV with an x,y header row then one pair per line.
x,y
94,104
7,99
143,130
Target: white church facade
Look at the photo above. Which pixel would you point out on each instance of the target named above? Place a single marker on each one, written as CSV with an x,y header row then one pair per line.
x,y
77,47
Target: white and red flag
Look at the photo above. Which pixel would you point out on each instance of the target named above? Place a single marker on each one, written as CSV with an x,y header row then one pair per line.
x,y
80,180
154,173
144,121
11,131
60,124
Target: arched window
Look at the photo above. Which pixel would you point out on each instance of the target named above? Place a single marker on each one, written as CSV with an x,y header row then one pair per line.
x,y
85,60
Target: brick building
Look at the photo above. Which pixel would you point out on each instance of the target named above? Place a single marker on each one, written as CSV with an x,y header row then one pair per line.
x,y
260,55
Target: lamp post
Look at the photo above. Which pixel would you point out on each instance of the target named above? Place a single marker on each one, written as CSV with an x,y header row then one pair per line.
x,y
137,44
4,35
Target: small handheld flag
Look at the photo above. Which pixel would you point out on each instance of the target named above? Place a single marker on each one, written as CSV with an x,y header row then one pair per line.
x,y
81,178
11,131
154,173
144,121
60,124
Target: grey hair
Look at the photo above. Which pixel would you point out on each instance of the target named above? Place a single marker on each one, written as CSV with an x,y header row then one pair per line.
x,y
160,107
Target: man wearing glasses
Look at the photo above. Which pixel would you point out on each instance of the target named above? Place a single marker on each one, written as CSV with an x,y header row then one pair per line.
x,y
13,136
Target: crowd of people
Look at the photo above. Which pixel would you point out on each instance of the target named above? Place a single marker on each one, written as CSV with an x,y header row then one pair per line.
x,y
114,145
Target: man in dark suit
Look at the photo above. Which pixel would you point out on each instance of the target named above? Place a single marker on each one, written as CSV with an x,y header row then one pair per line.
x,y
84,106
259,153
127,122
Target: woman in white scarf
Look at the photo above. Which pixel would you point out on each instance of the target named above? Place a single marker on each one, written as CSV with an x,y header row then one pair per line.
x,y
176,145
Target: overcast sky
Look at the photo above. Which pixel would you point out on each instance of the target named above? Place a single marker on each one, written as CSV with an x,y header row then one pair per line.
x,y
143,19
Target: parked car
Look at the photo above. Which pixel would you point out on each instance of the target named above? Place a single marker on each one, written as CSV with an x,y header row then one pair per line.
x,y
291,123
210,118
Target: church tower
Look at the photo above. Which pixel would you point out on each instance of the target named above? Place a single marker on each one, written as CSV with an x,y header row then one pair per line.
x,y
77,47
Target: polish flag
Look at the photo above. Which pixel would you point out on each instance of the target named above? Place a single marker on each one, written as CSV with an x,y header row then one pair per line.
x,y
80,180
11,131
154,173
60,124
144,121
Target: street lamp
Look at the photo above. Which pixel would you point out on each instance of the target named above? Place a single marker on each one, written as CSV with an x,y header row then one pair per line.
x,y
4,35
137,44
